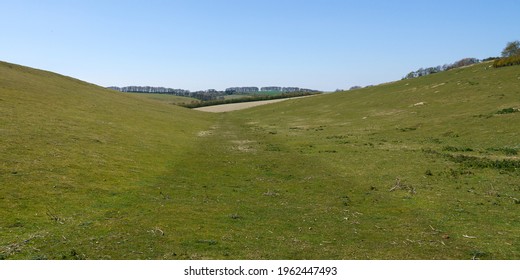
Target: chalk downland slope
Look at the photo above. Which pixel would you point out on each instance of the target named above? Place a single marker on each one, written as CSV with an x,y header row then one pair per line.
x,y
417,169
422,168
78,162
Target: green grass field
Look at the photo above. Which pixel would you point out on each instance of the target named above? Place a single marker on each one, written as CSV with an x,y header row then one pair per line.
x,y
269,92
235,96
166,98
426,168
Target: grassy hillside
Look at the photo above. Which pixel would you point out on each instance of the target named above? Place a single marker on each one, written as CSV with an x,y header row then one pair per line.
x,y
426,168
76,158
418,169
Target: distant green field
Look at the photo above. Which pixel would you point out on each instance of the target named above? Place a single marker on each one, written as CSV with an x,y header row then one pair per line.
x,y
166,98
269,92
253,94
235,96
427,168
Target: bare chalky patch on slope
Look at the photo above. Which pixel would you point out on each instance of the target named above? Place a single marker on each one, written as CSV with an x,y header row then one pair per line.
x,y
204,133
243,145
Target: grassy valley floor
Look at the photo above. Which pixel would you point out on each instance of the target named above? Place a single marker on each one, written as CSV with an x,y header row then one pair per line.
x,y
417,169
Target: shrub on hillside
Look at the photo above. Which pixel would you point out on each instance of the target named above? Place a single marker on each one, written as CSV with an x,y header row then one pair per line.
x,y
508,111
507,61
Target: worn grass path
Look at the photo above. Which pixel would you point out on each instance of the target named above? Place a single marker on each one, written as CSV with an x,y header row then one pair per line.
x,y
419,169
267,190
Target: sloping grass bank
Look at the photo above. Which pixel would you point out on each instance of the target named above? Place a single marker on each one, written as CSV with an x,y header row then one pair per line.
x,y
418,169
74,158
423,168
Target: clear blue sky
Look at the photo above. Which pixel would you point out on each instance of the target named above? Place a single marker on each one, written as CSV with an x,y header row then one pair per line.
x,y
201,44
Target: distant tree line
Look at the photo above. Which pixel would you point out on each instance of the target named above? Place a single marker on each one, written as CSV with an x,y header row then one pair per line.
x,y
432,70
236,90
253,90
147,89
210,94
510,56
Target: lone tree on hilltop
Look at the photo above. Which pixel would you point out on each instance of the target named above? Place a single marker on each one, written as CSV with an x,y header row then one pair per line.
x,y
512,49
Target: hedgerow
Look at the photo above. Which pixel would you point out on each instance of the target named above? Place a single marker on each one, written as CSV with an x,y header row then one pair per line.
x,y
507,61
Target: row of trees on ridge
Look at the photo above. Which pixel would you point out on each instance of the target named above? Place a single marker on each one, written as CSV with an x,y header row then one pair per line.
x,y
510,56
